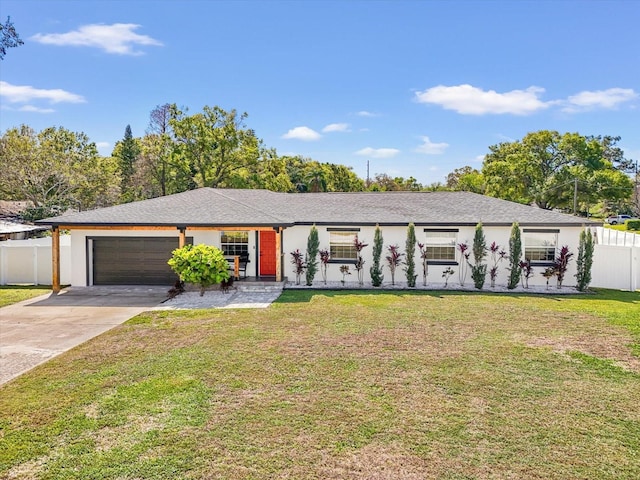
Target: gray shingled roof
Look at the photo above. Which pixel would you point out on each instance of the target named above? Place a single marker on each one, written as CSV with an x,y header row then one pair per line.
x,y
234,207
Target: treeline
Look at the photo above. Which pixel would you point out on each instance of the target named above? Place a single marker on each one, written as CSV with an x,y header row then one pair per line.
x,y
56,169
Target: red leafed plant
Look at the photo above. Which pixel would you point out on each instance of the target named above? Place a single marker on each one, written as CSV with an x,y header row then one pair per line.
x,y
425,264
359,260
324,261
527,272
497,255
393,260
464,260
562,263
297,258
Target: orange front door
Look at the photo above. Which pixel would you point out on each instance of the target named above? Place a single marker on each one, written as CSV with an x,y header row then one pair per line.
x,y
267,253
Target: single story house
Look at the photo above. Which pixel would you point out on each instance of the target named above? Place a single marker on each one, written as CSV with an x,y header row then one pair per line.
x,y
130,243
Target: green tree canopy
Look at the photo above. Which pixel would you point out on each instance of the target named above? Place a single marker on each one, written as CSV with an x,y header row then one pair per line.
x,y
213,145
544,167
56,169
9,38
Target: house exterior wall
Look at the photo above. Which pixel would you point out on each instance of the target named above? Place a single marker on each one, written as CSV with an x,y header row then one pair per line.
x,y
296,238
78,262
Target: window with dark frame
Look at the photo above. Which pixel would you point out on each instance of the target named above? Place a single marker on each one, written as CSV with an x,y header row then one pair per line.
x,y
540,246
441,245
341,245
234,243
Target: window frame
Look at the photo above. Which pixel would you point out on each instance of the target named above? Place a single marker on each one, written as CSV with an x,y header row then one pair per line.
x,y
353,232
440,260
233,248
528,247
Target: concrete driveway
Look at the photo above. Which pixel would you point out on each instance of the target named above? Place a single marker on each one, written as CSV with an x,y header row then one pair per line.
x,y
35,330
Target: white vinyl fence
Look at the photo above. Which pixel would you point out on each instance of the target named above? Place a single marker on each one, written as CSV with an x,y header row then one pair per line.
x,y
29,261
616,260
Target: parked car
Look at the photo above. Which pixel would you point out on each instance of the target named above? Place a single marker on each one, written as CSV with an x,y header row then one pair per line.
x,y
619,219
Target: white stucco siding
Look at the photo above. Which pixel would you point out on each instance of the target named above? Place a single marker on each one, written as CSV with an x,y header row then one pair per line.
x,y
296,238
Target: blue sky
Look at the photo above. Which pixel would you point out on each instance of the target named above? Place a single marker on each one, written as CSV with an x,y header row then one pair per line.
x,y
417,88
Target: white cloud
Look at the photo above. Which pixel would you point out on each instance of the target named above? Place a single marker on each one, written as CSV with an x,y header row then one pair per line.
x,y
607,99
430,148
26,93
31,108
378,152
102,144
470,100
118,38
302,133
364,113
336,127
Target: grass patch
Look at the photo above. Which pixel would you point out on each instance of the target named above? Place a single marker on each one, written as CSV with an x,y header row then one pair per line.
x,y
341,385
10,294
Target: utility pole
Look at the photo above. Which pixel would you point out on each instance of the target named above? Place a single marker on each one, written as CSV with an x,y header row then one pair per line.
x,y
368,180
575,195
635,191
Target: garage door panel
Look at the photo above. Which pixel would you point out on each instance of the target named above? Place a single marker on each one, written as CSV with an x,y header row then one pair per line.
x,y
133,260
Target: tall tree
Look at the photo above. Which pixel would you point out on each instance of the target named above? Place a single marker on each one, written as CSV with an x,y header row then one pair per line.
x,y
213,144
126,151
545,168
55,169
9,38
383,182
466,179
155,173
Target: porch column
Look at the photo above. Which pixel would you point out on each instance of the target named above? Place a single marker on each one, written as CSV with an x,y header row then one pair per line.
x,y
278,254
55,258
183,236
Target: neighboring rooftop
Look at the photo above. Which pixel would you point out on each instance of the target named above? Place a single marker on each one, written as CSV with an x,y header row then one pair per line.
x,y
237,207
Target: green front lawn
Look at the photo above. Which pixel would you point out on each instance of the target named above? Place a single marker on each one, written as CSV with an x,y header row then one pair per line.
x,y
10,294
338,385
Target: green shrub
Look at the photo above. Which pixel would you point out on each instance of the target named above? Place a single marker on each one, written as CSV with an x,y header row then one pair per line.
x,y
515,253
410,250
585,260
202,265
376,269
479,269
632,224
313,246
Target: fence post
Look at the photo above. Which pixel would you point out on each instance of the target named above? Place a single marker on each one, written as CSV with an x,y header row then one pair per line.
x,y
34,258
3,264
